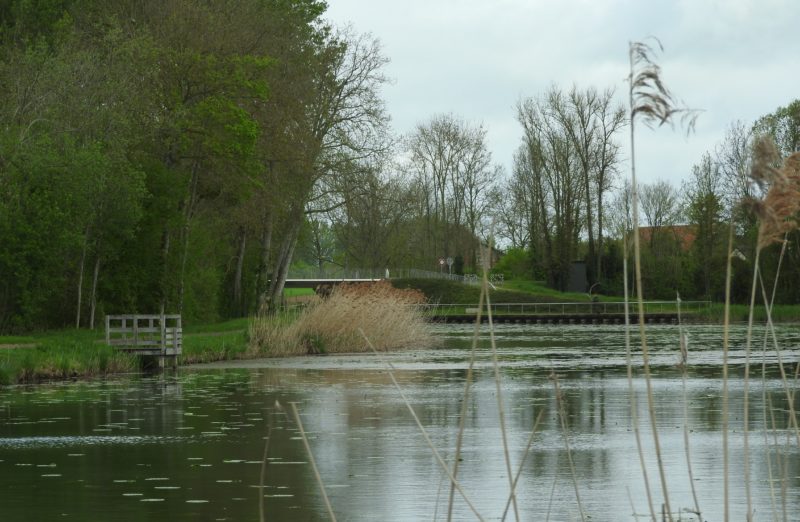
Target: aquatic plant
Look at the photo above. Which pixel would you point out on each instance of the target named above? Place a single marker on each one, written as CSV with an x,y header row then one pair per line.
x,y
651,102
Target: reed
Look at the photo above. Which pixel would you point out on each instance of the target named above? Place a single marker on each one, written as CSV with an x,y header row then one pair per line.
x,y
651,102
332,325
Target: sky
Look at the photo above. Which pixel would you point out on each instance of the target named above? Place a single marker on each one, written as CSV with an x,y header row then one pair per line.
x,y
733,59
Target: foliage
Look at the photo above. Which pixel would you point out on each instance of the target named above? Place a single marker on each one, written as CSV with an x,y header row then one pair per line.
x,y
515,264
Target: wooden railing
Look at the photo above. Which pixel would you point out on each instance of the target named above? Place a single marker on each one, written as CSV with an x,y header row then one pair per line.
x,y
145,334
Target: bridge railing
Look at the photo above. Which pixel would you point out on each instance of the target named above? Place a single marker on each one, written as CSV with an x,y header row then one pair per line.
x,y
379,273
585,307
336,273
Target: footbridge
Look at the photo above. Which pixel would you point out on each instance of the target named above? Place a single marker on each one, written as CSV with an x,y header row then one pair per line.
x,y
313,278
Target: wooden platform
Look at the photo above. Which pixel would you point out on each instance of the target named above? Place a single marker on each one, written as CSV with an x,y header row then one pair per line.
x,y
158,336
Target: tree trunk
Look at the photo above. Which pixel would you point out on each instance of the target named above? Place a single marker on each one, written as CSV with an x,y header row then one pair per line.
x,y
165,260
590,229
94,292
261,276
238,302
599,251
187,218
281,270
80,281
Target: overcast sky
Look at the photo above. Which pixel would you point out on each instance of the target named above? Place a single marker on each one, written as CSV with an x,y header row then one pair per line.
x,y
735,59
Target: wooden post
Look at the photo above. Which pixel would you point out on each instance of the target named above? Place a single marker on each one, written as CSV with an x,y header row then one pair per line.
x,y
163,329
108,333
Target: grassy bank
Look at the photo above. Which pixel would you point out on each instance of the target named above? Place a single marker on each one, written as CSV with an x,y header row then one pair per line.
x,y
739,313
58,357
69,353
450,292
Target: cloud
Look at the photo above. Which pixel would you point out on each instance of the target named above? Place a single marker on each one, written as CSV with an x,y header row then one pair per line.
x,y
736,59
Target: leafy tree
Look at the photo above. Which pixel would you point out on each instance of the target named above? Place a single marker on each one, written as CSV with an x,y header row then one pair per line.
x,y
705,212
783,126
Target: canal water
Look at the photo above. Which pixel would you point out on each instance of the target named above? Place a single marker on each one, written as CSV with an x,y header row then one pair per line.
x,y
219,442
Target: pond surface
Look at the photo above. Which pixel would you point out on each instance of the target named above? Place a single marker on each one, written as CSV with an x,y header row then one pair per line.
x,y
192,446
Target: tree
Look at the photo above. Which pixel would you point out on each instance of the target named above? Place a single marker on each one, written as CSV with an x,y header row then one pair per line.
x,y
510,213
344,121
546,167
590,120
661,204
783,126
452,165
705,213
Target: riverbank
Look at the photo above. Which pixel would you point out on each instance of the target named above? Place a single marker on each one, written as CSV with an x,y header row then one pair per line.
x,y
82,354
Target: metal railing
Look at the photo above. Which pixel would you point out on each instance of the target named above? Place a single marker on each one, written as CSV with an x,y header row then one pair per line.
x,y
382,273
593,308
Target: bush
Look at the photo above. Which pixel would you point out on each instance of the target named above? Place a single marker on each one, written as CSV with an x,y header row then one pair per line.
x,y
516,263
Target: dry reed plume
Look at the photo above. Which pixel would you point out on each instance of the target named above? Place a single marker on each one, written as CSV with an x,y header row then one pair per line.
x,y
778,211
331,325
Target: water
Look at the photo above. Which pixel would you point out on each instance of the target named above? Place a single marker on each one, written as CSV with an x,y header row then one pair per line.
x,y
191,447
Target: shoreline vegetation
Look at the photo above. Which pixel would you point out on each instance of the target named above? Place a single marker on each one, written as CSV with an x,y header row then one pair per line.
x,y
320,327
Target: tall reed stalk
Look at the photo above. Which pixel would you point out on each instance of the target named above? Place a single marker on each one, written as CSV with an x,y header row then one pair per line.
x,y
725,393
650,100
312,461
777,214
563,417
684,365
498,391
390,370
631,392
465,400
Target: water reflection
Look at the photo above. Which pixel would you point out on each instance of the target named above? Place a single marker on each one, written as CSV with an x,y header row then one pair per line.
x,y
191,447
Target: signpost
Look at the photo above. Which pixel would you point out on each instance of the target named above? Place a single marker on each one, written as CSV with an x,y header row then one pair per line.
x,y
441,264
450,265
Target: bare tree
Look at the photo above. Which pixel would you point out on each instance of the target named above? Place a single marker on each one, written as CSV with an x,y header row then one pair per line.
x,y
661,204
546,167
733,157
343,122
452,165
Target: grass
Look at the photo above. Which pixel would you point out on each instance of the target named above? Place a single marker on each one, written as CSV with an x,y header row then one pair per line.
x,y
59,359
739,313
231,325
539,290
205,348
71,353
294,292
451,292
66,335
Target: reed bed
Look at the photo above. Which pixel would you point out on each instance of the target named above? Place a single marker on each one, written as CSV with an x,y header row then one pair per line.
x,y
385,314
